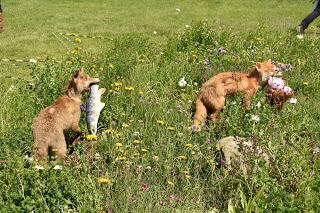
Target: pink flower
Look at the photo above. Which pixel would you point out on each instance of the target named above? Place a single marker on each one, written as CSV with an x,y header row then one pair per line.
x,y
276,83
222,162
287,90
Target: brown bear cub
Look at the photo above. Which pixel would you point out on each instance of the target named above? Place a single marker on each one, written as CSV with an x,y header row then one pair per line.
x,y
51,123
211,97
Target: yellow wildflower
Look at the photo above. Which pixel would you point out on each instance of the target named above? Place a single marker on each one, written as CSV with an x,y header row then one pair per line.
x,y
109,131
130,88
119,134
306,83
110,66
74,51
121,158
91,137
188,145
160,122
103,180
144,150
137,154
170,183
140,93
118,84
170,128
137,142
124,125
69,62
118,145
78,40
182,157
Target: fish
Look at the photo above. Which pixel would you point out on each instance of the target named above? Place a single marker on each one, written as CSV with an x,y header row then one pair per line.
x,y
93,108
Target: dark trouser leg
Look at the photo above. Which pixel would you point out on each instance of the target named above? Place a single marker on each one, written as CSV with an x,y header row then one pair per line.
x,y
312,16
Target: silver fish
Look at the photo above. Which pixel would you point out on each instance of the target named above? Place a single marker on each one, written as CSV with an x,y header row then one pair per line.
x,y
93,108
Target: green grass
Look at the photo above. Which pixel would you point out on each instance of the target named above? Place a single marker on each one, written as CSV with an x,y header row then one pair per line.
x,y
150,176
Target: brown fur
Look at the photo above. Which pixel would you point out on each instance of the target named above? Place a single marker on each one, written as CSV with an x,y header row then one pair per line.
x,y
51,123
277,98
212,94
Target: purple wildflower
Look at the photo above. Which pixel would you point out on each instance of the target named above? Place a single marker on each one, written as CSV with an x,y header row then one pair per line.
x,y
206,62
222,162
221,50
207,141
288,67
195,128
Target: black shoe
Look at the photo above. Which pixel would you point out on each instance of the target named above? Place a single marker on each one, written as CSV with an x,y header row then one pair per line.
x,y
300,30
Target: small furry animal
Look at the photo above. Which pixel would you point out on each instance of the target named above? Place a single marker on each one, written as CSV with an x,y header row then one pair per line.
x,y
51,123
93,108
211,97
277,93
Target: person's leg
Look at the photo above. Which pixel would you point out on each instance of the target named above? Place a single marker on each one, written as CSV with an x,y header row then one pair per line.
x,y
312,16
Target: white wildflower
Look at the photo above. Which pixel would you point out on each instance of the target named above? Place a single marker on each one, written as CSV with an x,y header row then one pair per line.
x,y
57,167
300,36
182,82
316,150
258,104
233,103
292,100
12,87
155,32
97,156
38,167
136,134
28,158
33,61
187,26
255,118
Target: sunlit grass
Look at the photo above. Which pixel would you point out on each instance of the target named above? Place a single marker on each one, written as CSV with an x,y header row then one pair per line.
x,y
145,158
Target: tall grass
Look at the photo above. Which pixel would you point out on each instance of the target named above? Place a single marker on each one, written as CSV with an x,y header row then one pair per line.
x,y
145,151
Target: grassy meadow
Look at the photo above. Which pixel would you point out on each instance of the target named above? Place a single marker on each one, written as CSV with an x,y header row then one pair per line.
x,y
146,159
